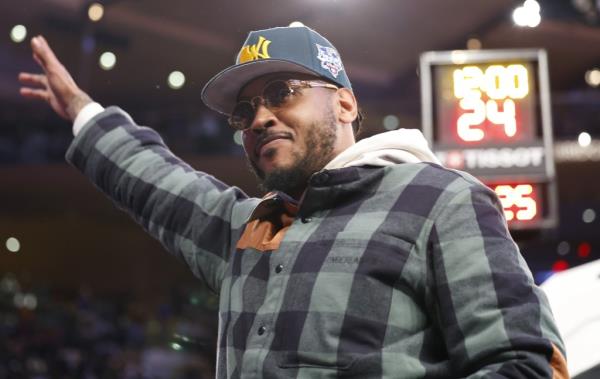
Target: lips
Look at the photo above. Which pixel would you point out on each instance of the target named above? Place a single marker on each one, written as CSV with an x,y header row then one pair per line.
x,y
269,138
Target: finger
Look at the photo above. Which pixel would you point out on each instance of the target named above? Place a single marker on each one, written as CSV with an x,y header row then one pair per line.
x,y
37,51
33,79
39,62
34,93
42,52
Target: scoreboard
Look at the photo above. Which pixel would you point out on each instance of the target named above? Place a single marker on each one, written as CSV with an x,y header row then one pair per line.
x,y
487,112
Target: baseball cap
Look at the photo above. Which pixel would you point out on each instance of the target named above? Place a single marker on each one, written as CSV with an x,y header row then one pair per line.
x,y
296,49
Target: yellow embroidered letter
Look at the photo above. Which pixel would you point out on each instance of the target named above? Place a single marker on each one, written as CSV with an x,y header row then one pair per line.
x,y
254,52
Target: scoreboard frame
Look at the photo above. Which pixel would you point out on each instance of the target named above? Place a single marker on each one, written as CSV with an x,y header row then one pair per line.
x,y
542,177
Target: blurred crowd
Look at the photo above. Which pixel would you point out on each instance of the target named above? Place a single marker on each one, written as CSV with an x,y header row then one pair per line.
x,y
45,137
47,334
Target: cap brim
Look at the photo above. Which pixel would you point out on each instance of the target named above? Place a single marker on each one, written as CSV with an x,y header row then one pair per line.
x,y
221,92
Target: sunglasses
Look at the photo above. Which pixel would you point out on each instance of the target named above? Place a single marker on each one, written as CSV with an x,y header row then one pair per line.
x,y
275,94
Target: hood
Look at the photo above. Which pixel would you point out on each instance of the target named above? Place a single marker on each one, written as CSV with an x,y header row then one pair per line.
x,y
385,149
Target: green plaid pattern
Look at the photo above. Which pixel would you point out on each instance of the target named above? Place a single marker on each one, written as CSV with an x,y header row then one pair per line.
x,y
406,271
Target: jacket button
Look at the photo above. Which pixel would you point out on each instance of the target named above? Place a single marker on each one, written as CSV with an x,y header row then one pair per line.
x,y
278,269
261,330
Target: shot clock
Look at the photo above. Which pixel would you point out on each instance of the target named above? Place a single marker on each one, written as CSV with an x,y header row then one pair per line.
x,y
487,112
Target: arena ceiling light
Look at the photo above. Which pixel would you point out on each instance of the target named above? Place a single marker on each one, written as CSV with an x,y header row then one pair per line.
x,y
528,15
176,80
474,44
13,245
95,12
18,33
108,60
592,77
584,139
588,216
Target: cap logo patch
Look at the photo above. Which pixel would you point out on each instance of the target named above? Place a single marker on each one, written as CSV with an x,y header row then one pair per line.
x,y
330,59
260,50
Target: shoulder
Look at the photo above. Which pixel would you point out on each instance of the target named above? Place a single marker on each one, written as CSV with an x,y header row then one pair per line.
x,y
434,176
427,189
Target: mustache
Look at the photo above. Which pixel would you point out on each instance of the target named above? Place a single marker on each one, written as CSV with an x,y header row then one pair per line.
x,y
267,137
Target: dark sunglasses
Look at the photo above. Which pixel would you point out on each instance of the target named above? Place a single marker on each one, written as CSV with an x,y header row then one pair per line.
x,y
274,95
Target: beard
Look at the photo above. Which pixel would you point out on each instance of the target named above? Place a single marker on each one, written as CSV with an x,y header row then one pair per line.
x,y
320,138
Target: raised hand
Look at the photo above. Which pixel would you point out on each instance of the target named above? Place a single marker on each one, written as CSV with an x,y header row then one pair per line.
x,y
55,86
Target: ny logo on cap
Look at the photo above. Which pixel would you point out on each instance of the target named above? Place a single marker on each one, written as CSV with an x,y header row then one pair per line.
x,y
260,50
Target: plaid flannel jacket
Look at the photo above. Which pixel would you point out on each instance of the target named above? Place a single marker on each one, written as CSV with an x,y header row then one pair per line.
x,y
405,271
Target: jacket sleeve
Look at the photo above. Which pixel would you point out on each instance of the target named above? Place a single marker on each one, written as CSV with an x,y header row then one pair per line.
x,y
196,217
496,322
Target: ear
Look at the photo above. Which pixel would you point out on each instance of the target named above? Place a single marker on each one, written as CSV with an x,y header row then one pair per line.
x,y
347,106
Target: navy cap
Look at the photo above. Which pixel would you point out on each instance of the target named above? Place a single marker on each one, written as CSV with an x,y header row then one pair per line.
x,y
282,49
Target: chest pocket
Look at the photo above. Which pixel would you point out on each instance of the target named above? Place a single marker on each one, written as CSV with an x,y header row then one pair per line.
x,y
347,303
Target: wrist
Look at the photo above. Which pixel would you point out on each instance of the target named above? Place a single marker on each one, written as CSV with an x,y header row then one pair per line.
x,y
85,115
78,102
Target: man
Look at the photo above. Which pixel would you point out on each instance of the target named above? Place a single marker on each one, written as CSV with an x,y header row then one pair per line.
x,y
365,260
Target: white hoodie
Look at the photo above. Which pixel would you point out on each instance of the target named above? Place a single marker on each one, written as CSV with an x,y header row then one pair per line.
x,y
385,149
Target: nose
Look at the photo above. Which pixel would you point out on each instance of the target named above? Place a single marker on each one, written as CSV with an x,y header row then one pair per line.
x,y
263,119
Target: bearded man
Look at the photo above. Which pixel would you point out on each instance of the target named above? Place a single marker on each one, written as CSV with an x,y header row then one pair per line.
x,y
363,260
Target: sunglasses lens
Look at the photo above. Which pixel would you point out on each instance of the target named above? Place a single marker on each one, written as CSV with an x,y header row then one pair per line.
x,y
242,116
277,93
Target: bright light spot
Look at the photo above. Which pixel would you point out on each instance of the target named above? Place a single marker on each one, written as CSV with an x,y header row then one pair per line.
x,y
30,301
592,77
108,60
560,265
95,12
584,249
584,139
18,33
176,79
13,245
296,24
237,137
458,57
175,346
520,16
563,248
532,6
534,20
528,14
391,122
589,215
474,44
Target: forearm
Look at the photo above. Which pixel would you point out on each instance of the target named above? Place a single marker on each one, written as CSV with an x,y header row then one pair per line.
x,y
192,214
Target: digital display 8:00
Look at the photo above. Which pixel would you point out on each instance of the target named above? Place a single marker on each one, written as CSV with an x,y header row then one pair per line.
x,y
485,104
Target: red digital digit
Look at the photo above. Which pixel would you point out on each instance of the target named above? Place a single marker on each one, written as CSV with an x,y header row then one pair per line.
x,y
519,201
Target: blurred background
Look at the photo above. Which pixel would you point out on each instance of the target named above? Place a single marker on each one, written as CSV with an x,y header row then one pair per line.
x,y
85,293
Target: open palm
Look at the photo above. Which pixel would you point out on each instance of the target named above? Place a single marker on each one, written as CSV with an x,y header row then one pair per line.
x,y
55,86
